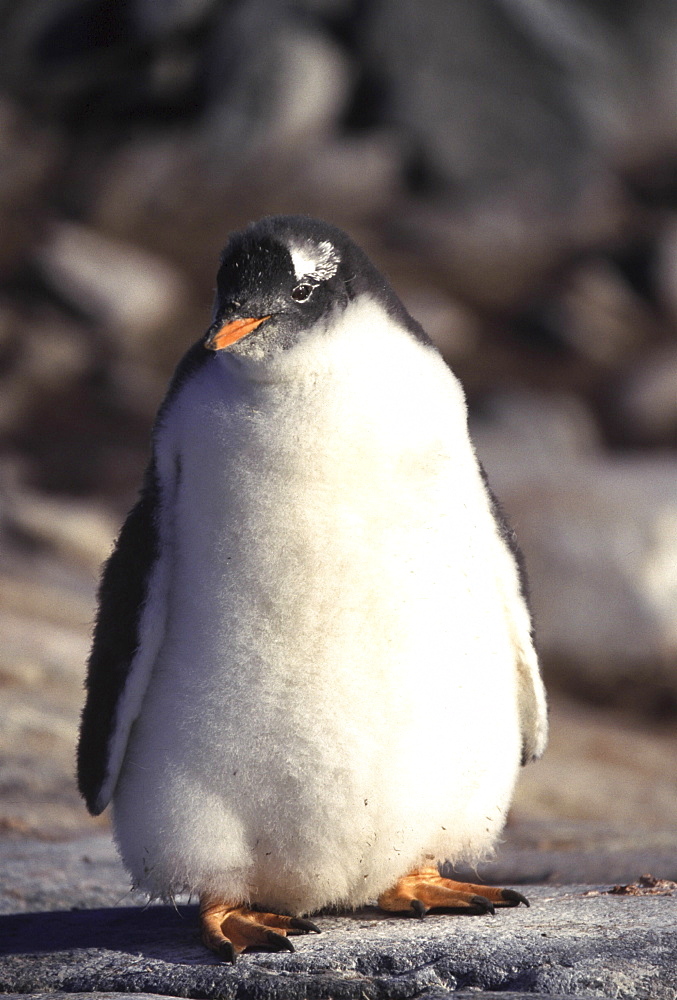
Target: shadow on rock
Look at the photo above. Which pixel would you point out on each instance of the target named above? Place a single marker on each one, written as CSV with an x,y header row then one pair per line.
x,y
154,932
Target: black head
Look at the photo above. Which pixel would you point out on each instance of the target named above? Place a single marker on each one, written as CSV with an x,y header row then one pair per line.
x,y
285,275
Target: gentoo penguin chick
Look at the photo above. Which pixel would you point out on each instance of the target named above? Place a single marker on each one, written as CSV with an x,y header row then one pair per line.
x,y
312,675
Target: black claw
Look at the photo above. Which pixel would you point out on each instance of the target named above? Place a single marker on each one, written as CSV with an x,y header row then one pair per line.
x,y
300,924
278,942
418,908
514,898
484,904
226,952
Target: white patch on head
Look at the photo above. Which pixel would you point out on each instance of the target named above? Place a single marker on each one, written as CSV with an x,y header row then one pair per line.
x,y
315,262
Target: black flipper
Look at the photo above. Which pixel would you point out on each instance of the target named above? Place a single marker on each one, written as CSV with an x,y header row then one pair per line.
x,y
122,596
117,677
532,707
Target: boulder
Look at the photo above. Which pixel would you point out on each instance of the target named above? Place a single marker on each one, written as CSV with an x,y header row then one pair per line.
x,y
646,400
118,286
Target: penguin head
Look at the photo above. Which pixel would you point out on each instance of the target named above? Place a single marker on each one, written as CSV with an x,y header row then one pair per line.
x,y
286,277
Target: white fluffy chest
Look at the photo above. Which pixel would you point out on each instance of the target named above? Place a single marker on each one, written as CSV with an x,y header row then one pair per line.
x,y
321,512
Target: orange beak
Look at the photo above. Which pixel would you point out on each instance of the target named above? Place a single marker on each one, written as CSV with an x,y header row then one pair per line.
x,y
231,332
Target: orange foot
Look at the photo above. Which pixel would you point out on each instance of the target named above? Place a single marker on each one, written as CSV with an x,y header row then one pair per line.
x,y
228,929
425,889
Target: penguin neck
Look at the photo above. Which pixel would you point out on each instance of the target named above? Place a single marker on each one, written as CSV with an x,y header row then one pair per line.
x,y
265,370
277,364
353,337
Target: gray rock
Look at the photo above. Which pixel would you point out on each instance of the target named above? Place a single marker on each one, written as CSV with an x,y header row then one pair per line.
x,y
647,403
130,292
73,875
71,925
600,318
571,941
499,145
428,995
275,81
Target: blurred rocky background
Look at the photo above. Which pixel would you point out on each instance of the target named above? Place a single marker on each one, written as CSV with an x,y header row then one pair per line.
x,y
511,165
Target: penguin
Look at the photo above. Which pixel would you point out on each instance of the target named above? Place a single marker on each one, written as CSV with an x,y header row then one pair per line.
x,y
313,675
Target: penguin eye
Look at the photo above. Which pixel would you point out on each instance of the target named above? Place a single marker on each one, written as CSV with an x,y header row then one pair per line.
x,y
302,292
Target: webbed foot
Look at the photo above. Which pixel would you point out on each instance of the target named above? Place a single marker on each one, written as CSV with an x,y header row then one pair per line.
x,y
424,889
229,930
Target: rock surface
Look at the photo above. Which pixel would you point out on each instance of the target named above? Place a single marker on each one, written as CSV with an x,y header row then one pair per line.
x,y
70,924
573,941
428,995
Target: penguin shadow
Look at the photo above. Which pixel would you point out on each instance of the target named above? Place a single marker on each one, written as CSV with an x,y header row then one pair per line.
x,y
165,932
168,933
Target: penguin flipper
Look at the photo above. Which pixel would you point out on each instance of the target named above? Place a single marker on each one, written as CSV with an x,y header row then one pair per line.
x,y
532,705
514,587
128,631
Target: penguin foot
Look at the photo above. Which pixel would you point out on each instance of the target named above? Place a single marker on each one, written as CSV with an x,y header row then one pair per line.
x,y
424,889
229,930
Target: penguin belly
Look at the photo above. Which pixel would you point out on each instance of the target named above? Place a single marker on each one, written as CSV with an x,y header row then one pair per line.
x,y
334,701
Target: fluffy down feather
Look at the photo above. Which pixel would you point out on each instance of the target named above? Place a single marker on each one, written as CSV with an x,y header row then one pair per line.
x,y
346,681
